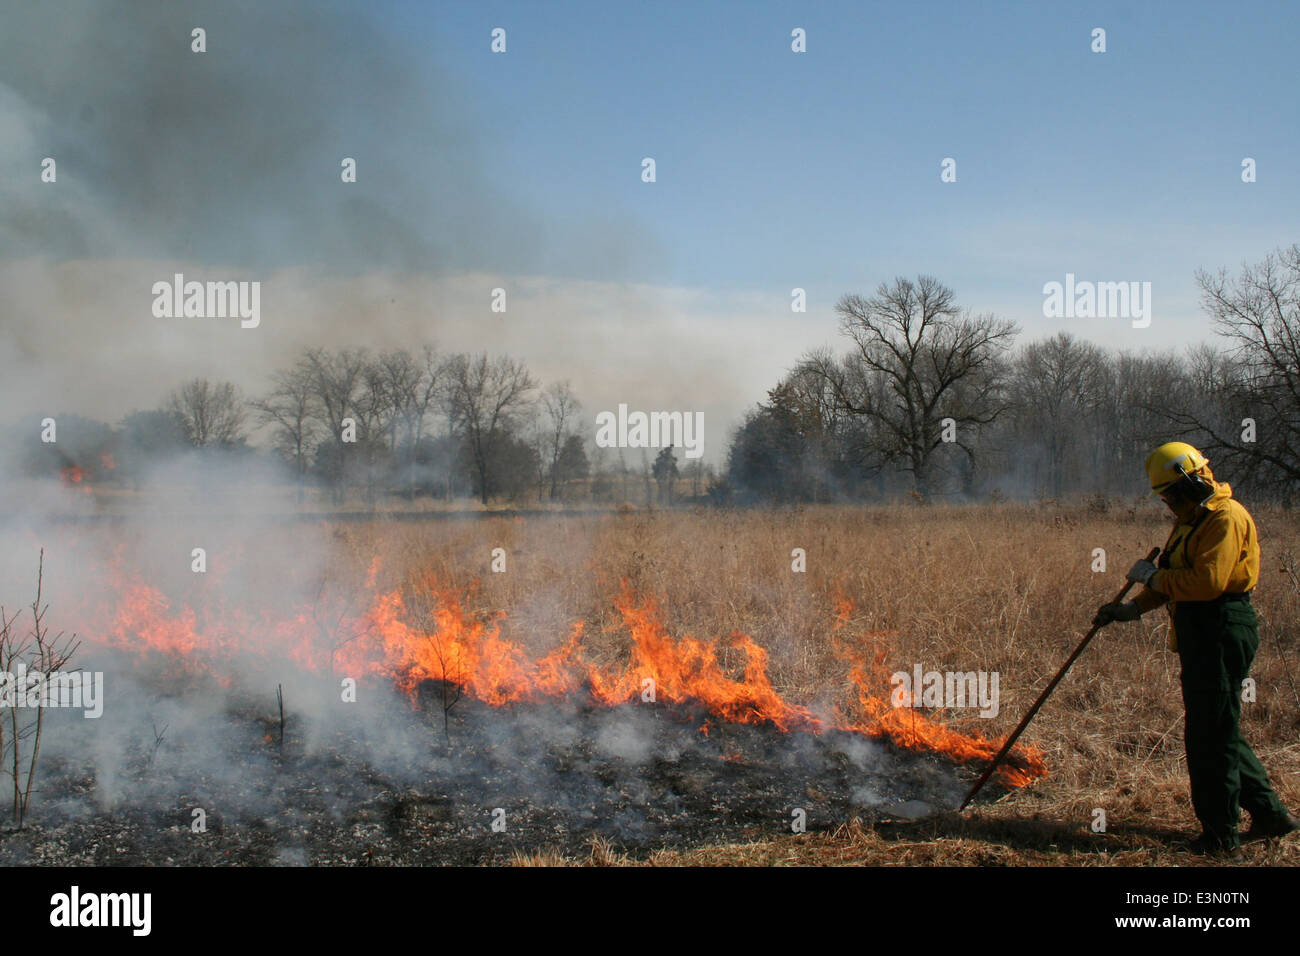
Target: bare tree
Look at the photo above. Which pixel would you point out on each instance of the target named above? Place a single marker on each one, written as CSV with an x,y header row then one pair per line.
x,y
426,395
338,389
1127,418
1056,386
211,413
562,408
1258,312
37,652
289,410
484,399
336,381
412,387
378,403
919,359
815,437
537,430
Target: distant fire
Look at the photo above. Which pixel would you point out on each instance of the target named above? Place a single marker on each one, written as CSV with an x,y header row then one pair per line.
x,y
74,476
727,677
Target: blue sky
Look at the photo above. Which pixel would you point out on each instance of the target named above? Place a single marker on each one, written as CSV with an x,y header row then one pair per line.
x,y
822,169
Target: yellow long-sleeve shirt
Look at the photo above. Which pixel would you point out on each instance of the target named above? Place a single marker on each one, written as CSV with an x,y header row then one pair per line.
x,y
1216,554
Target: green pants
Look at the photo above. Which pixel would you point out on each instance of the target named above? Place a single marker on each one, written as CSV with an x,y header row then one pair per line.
x,y
1217,643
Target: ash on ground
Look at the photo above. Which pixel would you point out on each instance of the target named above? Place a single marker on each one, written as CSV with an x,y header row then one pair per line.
x,y
443,781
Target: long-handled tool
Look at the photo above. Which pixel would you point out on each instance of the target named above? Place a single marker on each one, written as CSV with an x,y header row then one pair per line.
x,y
1015,734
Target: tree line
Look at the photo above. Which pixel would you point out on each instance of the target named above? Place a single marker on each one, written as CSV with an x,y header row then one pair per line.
x,y
930,399
927,399
396,421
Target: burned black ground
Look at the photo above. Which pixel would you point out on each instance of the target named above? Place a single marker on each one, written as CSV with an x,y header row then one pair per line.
x,y
394,784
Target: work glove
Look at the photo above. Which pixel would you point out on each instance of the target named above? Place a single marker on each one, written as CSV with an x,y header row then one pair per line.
x,y
1142,572
1115,611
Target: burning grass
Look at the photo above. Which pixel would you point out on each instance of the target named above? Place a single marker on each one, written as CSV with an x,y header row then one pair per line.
x,y
705,606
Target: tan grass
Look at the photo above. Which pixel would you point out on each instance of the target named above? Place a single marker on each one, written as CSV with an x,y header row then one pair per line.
x,y
1004,588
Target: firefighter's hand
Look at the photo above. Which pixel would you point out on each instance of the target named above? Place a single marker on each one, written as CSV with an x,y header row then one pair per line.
x,y
1115,611
1142,572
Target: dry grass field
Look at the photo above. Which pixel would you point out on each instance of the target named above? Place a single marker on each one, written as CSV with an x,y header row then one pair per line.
x,y
1005,587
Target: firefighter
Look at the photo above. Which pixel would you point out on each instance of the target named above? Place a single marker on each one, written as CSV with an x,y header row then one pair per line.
x,y
1205,574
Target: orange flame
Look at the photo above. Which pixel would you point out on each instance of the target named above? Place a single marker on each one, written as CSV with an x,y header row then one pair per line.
x,y
728,678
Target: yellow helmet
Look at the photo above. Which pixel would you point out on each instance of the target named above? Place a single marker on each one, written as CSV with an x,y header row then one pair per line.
x,y
1170,462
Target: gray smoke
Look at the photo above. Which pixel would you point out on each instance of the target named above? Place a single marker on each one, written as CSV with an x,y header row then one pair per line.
x,y
232,156
225,166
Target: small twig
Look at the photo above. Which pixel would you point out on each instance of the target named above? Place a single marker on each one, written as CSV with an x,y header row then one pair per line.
x,y
158,736
447,705
43,654
279,698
